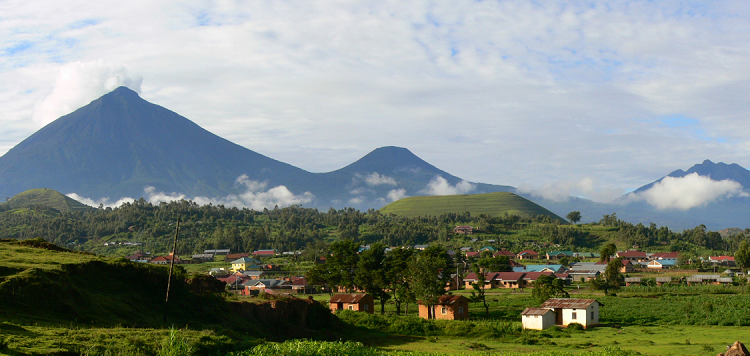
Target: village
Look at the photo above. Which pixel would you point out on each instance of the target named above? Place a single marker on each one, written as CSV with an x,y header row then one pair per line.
x,y
266,273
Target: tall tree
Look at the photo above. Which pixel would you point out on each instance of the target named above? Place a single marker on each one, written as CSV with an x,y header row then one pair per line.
x,y
428,279
607,252
342,264
371,274
742,256
397,274
574,216
477,294
612,273
547,286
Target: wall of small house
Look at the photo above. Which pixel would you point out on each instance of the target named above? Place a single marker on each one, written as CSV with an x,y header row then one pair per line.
x,y
538,322
423,312
588,317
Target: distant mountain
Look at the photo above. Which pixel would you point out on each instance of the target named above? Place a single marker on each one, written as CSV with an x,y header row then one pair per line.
x,y
716,171
728,212
46,197
120,144
492,204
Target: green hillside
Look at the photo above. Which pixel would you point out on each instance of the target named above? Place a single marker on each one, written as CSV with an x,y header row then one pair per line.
x,y
46,197
492,204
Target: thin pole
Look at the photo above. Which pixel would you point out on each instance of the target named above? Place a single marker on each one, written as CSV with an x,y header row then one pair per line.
x,y
171,268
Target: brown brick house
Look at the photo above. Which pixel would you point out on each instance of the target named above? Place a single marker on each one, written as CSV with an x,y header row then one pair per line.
x,y
449,307
356,302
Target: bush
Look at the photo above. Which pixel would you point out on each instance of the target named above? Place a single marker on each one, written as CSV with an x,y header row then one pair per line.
x,y
575,326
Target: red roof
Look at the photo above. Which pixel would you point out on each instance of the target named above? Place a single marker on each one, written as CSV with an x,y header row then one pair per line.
x,y
632,253
509,276
264,253
165,258
473,276
347,298
472,254
721,258
528,252
504,253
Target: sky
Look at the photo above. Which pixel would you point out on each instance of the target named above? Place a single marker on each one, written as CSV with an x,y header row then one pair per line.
x,y
589,98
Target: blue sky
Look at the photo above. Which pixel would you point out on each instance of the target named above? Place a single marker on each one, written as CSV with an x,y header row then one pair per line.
x,y
591,98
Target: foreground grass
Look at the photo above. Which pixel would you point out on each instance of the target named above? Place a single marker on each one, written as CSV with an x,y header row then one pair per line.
x,y
50,340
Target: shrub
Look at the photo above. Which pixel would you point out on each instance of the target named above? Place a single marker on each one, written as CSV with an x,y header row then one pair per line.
x,y
575,326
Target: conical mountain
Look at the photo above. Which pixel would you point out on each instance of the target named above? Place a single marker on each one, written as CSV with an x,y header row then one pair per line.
x,y
119,144
370,179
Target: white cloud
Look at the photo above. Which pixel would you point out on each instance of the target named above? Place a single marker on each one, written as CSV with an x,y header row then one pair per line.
x,y
561,191
440,186
577,88
396,194
356,200
78,84
688,192
103,202
377,179
254,197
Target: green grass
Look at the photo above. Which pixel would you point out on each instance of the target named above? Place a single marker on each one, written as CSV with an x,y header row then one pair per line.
x,y
492,204
46,197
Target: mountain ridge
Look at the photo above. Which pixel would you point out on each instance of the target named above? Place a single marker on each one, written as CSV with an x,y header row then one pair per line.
x,y
120,144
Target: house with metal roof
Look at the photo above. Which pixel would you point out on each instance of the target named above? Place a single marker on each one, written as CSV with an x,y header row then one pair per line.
x,y
661,264
546,268
570,310
537,318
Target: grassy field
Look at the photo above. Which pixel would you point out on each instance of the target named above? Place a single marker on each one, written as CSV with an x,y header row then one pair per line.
x,y
493,204
56,301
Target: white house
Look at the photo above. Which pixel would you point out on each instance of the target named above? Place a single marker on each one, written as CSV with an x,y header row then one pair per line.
x,y
568,310
537,318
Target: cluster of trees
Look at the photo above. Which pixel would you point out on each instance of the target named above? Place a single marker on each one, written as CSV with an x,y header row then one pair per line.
x,y
297,228
688,240
217,226
403,275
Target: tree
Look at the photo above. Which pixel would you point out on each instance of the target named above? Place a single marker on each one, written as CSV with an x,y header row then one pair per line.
x,y
574,216
342,264
611,279
397,274
496,264
478,293
427,279
612,273
742,256
606,252
371,274
547,286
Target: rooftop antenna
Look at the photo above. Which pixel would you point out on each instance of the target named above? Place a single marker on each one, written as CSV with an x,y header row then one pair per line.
x,y
171,268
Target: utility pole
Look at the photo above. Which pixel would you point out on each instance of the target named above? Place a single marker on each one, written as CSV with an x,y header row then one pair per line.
x,y
171,268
